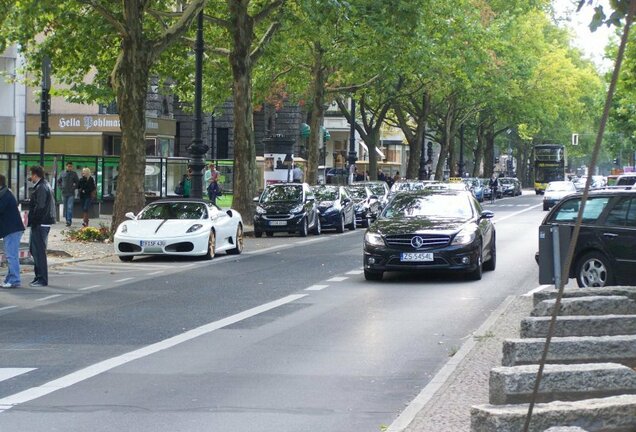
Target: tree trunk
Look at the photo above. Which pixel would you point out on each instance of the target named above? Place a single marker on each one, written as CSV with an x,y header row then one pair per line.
x,y
245,172
317,112
372,141
489,150
130,82
478,156
413,165
452,157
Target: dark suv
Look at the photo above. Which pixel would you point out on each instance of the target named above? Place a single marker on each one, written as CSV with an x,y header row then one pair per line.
x,y
286,207
605,252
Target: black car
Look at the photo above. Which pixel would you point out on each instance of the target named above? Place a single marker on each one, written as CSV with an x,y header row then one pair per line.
x,y
335,207
366,205
431,230
286,207
605,252
378,188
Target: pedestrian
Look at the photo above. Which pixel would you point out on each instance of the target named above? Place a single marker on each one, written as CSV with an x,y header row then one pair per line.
x,y
69,181
41,217
11,230
396,177
381,175
87,193
212,182
297,174
493,183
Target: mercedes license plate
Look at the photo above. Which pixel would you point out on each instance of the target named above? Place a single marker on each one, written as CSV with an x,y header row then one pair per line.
x,y
152,243
416,257
277,223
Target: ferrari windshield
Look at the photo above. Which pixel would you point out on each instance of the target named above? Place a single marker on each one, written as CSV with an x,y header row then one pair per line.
x,y
174,210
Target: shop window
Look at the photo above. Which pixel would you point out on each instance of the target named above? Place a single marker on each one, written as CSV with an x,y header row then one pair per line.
x,y
151,147
112,145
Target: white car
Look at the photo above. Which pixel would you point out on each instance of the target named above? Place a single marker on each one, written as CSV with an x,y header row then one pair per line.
x,y
555,191
187,227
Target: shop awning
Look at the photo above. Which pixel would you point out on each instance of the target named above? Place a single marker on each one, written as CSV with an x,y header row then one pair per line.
x,y
377,150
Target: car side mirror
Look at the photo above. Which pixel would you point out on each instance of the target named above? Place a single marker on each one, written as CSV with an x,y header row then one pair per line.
x,y
130,215
256,199
487,214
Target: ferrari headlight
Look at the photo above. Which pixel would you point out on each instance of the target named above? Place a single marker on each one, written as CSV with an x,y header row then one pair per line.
x,y
297,209
260,210
465,236
194,228
373,239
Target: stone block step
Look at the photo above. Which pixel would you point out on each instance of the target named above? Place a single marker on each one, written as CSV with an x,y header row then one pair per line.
x,y
603,325
589,349
612,414
512,385
589,305
627,291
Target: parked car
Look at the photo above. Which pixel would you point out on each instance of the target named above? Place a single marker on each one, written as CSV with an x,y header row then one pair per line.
x,y
188,227
510,186
286,207
476,186
366,205
379,188
336,175
605,250
335,207
626,179
555,191
431,230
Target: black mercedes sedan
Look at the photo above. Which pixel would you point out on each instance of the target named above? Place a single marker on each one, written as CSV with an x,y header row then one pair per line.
x,y
431,230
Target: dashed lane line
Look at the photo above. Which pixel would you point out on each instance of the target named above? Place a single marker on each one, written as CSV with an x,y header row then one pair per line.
x,y
48,297
7,373
89,287
316,287
124,279
337,279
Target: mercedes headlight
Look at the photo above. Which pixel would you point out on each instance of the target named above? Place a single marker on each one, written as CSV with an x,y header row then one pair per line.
x,y
373,239
465,236
194,228
260,210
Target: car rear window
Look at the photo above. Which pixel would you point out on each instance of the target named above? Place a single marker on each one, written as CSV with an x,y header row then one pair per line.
x,y
569,211
626,181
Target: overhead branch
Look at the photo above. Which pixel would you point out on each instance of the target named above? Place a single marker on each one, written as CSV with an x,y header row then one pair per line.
x,y
103,11
177,29
217,21
260,46
351,88
267,10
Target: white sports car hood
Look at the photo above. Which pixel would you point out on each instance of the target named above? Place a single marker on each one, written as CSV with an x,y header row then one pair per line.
x,y
159,228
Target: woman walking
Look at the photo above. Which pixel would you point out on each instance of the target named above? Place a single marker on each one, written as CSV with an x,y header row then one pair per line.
x,y
87,192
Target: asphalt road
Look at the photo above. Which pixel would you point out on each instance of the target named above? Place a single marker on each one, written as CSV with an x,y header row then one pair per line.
x,y
286,337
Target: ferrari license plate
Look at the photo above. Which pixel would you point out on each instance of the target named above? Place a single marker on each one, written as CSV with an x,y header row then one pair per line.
x,y
416,257
278,223
152,243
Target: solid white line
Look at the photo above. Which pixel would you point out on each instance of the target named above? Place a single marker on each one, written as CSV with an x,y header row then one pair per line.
x,y
154,273
427,393
49,297
6,373
537,289
337,279
316,287
109,364
355,272
124,279
7,307
89,287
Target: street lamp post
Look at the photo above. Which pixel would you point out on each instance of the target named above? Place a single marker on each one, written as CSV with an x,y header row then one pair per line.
x,y
353,156
197,148
45,105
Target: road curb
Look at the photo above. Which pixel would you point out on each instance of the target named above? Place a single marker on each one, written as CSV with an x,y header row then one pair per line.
x,y
435,384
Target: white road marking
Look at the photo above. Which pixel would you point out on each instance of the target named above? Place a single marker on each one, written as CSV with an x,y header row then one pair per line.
x,y
7,308
124,279
337,279
6,373
316,287
355,272
89,287
515,213
49,297
155,273
109,364
537,289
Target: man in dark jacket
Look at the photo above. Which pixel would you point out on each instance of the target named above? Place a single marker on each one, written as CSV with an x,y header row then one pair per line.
x,y
11,230
69,181
41,217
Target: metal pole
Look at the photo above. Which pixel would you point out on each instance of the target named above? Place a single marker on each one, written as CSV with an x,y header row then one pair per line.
x,y
44,130
461,151
352,134
197,149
